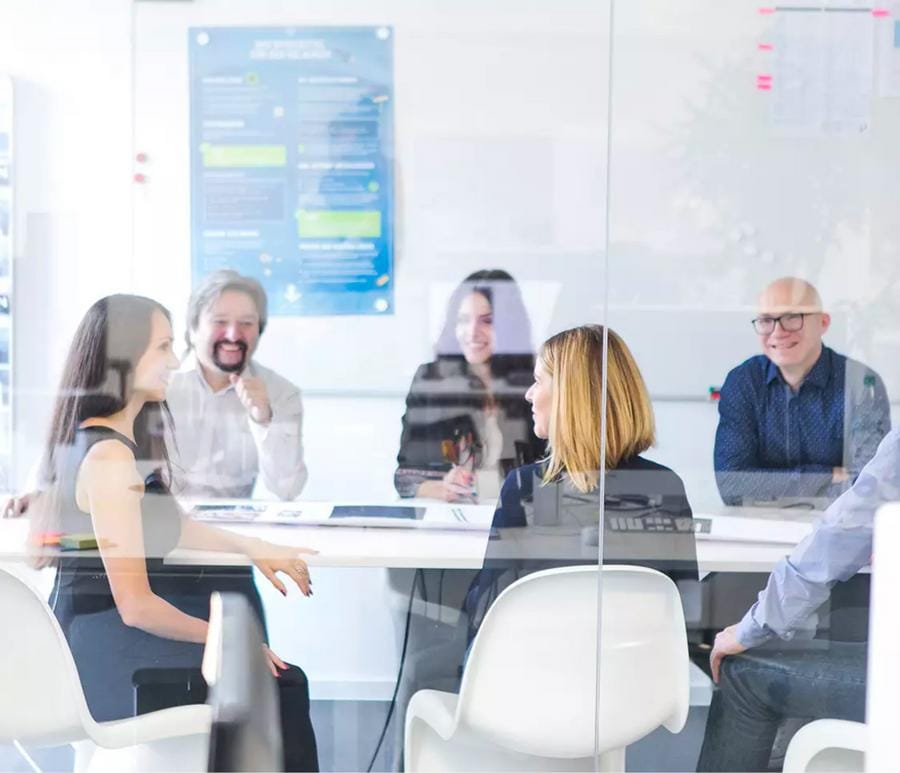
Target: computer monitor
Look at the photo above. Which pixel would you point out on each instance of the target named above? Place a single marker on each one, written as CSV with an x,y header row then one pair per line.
x,y
246,726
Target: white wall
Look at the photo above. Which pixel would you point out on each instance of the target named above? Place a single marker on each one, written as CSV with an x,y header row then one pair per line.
x,y
708,202
499,162
72,199
500,131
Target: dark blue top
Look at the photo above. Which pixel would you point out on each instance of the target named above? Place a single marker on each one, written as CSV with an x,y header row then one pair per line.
x,y
773,442
540,525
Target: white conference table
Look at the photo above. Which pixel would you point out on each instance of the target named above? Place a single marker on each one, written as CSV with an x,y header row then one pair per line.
x,y
354,655
737,539
731,540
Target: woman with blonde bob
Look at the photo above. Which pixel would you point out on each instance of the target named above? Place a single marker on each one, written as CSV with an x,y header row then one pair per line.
x,y
566,405
562,490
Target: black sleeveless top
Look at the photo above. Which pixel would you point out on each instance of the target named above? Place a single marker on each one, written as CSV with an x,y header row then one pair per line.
x,y
107,652
82,585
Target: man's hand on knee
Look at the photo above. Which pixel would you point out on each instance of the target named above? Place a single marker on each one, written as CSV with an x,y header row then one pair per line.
x,y
726,644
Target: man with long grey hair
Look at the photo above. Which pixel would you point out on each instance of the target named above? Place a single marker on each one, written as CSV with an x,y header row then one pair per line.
x,y
236,419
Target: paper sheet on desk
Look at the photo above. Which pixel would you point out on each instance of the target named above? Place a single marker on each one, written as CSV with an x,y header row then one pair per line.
x,y
723,528
245,514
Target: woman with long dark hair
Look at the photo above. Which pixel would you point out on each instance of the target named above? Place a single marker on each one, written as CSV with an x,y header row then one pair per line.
x,y
108,470
466,411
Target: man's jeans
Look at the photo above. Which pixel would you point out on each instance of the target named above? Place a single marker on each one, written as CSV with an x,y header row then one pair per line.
x,y
762,687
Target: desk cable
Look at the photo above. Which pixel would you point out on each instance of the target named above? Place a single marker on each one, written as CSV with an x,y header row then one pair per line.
x,y
419,577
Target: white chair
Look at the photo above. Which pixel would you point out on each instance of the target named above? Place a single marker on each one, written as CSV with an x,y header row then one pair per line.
x,y
529,695
827,745
42,702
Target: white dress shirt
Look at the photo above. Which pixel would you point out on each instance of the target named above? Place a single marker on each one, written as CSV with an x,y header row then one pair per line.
x,y
219,450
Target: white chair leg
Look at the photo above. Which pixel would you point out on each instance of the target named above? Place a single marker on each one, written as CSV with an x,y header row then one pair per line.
x,y
84,753
612,761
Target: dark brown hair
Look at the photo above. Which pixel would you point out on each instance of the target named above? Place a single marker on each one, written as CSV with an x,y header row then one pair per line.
x,y
98,377
514,351
98,381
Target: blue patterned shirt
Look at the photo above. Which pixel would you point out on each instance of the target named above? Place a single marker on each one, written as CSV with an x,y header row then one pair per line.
x,y
838,547
773,442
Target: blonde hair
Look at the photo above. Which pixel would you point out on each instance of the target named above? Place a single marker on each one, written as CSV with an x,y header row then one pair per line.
x,y
574,361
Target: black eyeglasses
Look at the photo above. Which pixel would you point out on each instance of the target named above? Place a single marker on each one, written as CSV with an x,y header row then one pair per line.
x,y
790,323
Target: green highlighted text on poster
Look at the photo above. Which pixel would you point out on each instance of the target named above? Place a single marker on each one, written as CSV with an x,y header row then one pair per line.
x,y
338,224
244,155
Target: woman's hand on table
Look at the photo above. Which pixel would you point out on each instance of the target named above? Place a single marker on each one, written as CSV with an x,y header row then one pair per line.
x,y
270,559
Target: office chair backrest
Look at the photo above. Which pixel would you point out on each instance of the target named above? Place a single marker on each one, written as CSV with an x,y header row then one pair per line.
x,y
41,700
530,682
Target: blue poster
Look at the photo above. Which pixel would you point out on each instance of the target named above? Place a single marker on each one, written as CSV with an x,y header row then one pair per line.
x,y
291,163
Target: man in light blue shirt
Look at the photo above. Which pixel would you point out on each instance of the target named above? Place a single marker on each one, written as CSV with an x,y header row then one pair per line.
x,y
780,672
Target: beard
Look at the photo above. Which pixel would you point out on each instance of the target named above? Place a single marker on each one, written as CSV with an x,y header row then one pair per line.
x,y
229,367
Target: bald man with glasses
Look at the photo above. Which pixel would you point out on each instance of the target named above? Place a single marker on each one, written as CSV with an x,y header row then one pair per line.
x,y
798,420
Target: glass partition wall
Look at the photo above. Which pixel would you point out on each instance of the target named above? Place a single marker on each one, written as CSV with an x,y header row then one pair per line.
x,y
421,191
750,273
504,273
